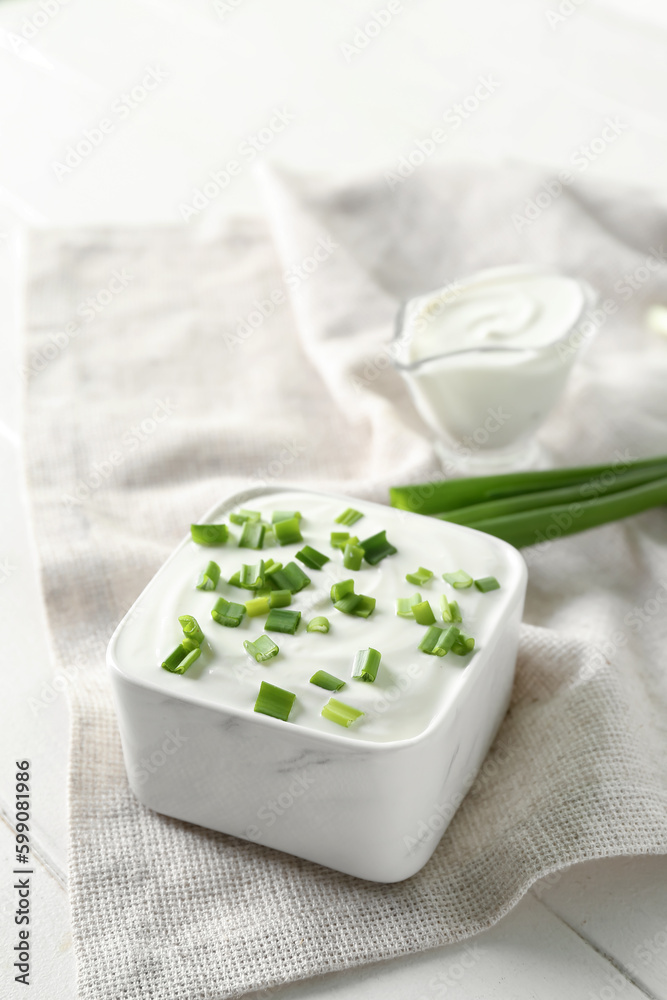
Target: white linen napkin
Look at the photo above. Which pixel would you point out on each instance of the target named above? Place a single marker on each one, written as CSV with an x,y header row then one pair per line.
x,y
165,370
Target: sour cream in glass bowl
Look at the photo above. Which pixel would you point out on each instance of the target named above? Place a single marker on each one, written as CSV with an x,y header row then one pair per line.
x,y
486,359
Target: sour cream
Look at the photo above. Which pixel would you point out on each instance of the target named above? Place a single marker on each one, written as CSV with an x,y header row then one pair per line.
x,y
486,359
411,686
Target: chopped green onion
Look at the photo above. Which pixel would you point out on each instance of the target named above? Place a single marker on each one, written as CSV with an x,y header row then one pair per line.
x,y
318,624
311,558
349,517
209,534
279,598
227,612
274,701
341,589
282,620
423,613
430,638
181,659
356,604
365,607
404,605
288,531
487,583
290,577
447,639
450,609
352,556
209,577
438,641
261,649
285,515
463,645
339,539
251,577
337,711
244,516
377,548
420,577
347,604
175,657
257,606
345,600
327,681
185,664
366,664
271,566
252,536
191,629
459,580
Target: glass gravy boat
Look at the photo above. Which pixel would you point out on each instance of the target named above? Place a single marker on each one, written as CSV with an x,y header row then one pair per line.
x,y
485,400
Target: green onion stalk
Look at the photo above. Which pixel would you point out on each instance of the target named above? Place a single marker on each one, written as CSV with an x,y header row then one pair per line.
x,y
527,508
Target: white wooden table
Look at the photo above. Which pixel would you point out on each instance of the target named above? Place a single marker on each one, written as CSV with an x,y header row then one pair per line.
x,y
210,74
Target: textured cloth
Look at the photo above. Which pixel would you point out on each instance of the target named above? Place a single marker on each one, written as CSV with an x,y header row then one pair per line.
x,y
144,349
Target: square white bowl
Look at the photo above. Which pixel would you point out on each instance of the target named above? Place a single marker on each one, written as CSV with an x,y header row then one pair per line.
x,y
358,801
